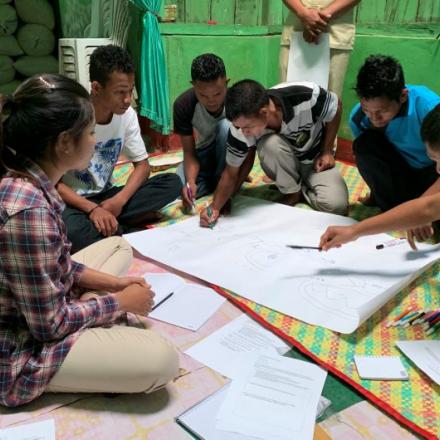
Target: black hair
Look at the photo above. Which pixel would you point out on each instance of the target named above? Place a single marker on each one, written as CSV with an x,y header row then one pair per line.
x,y
108,59
380,76
39,110
430,130
245,98
207,67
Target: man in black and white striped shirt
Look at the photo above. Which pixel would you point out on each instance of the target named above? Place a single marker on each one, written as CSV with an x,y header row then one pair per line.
x,y
292,127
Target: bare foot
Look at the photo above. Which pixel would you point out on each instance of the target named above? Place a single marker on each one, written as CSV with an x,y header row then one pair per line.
x,y
368,200
292,199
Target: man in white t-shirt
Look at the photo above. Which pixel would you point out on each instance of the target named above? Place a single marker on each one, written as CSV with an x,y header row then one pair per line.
x,y
94,207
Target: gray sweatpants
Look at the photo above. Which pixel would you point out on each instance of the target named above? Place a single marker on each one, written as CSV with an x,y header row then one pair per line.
x,y
325,191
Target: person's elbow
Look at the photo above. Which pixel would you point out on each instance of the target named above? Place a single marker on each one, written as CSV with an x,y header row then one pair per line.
x,y
143,168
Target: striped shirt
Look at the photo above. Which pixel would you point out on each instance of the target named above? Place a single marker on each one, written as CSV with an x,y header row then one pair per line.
x,y
40,313
306,109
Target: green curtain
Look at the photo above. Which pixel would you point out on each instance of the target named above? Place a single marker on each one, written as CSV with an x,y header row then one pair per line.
x,y
154,98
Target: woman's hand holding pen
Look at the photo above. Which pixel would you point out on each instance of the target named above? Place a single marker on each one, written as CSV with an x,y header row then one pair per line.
x,y
136,298
209,216
335,236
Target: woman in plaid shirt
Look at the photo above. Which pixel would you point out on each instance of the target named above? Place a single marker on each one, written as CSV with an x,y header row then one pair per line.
x,y
60,315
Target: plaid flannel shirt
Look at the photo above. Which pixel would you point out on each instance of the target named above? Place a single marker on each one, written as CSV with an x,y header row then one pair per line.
x,y
41,316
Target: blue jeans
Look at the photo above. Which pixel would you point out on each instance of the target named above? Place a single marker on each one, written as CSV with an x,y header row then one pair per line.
x,y
211,160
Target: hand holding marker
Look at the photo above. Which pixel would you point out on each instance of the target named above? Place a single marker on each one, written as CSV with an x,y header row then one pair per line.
x,y
209,212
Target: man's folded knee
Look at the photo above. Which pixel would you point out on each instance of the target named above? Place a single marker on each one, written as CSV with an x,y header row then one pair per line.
x,y
336,206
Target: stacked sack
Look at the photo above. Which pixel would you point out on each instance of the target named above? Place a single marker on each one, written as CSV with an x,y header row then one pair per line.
x,y
26,41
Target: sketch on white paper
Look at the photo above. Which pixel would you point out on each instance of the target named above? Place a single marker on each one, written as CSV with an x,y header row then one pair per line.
x,y
247,253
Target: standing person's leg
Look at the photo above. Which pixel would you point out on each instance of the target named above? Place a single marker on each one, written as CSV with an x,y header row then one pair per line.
x,y
284,61
112,255
338,67
390,178
116,360
153,195
325,191
279,162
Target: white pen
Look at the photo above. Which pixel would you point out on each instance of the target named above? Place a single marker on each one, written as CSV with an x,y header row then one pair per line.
x,y
391,243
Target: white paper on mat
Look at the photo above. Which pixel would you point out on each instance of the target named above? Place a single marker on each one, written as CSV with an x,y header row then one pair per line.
x,y
273,397
425,354
246,253
32,431
190,306
309,62
162,284
199,418
235,344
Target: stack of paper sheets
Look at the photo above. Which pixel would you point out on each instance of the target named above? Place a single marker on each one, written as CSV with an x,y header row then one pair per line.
x,y
270,396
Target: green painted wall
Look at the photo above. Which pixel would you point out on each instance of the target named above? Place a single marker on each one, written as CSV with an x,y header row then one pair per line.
x,y
245,51
244,12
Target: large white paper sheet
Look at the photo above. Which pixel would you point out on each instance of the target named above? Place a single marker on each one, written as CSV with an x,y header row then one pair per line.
x,y
309,62
32,431
274,397
246,253
425,354
234,344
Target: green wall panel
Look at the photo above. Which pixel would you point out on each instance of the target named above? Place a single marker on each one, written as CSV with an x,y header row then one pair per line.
x,y
247,60
398,11
223,11
197,11
248,12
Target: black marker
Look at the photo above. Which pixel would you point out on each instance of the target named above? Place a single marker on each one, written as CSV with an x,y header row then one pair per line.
x,y
161,302
294,246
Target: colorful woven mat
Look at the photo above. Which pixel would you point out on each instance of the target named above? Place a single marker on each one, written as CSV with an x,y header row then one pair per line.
x,y
416,402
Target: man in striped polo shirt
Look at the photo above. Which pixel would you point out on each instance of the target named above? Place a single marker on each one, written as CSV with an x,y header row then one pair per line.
x,y
292,127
